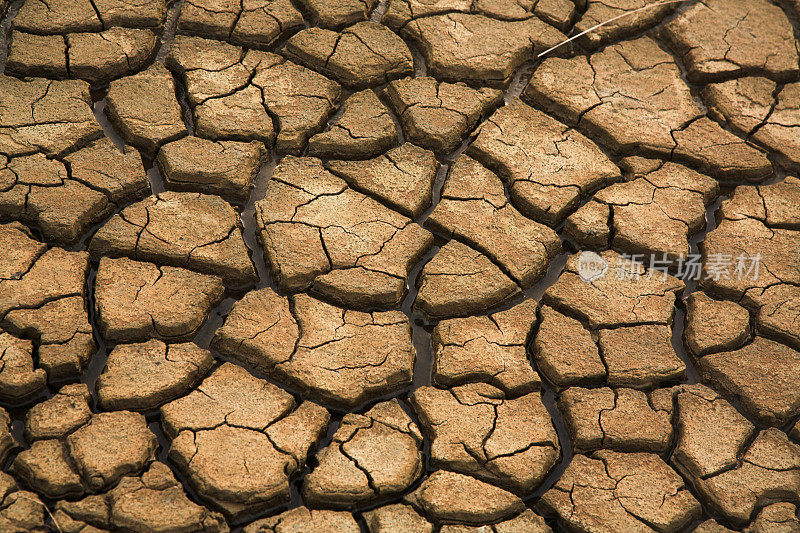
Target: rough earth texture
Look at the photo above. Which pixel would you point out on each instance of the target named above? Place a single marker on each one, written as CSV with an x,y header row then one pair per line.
x,y
191,230
137,301
242,96
476,431
656,212
39,115
364,55
94,57
225,168
474,48
548,166
372,456
761,110
238,439
715,39
364,129
63,199
631,97
256,24
323,266
355,251
342,357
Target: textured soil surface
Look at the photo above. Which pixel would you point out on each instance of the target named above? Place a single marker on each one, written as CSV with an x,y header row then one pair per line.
x,y
382,266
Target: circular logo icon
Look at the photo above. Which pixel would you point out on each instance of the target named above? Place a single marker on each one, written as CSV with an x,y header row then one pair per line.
x,y
591,266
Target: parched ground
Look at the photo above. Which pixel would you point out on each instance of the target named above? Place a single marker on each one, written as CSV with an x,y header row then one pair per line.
x,y
382,266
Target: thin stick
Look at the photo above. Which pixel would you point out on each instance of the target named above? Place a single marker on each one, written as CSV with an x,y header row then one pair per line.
x,y
609,21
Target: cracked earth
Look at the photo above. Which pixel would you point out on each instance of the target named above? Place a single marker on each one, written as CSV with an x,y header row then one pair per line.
x,y
274,266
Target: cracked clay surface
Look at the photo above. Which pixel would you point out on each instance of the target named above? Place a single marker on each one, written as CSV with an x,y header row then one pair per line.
x,y
386,266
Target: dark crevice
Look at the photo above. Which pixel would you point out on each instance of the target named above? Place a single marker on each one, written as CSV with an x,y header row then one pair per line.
x,y
520,79
249,226
550,399
5,30
170,28
154,177
98,108
420,329
182,95
420,64
98,361
379,11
